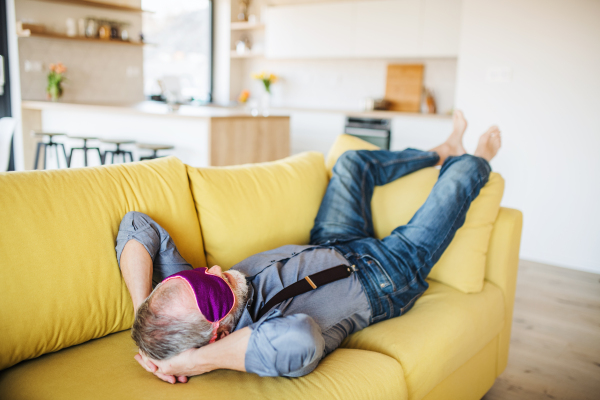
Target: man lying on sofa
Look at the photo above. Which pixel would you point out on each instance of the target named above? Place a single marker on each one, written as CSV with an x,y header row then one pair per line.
x,y
278,313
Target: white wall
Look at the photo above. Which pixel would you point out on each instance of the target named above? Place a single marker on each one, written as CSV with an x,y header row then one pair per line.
x,y
549,113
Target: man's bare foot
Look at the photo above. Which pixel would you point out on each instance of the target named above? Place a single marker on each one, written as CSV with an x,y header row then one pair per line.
x,y
455,140
453,146
489,144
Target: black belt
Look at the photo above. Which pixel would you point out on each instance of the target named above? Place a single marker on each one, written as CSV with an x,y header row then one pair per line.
x,y
310,282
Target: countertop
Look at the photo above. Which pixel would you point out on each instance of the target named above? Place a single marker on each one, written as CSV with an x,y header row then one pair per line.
x,y
364,114
185,111
148,108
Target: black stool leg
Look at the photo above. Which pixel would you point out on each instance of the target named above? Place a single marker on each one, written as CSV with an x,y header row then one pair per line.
x,y
100,155
130,154
45,155
85,149
70,157
37,154
57,157
65,153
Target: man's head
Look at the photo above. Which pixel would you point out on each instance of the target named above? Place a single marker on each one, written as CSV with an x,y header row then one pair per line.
x,y
169,321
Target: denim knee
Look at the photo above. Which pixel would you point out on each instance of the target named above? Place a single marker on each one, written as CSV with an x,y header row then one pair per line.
x,y
468,164
350,161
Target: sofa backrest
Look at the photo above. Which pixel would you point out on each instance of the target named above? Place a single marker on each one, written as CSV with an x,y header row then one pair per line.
x,y
247,209
60,283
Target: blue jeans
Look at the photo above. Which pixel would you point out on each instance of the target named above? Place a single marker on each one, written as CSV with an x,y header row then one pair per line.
x,y
393,270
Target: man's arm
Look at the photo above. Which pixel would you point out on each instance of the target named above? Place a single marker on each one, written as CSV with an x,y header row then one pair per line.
x,y
151,255
136,267
226,353
282,346
285,346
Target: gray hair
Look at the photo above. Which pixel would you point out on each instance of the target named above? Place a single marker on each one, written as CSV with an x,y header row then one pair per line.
x,y
162,335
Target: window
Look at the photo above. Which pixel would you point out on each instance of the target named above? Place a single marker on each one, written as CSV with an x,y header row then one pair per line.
x,y
177,63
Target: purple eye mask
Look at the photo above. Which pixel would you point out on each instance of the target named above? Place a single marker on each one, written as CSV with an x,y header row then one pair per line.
x,y
214,297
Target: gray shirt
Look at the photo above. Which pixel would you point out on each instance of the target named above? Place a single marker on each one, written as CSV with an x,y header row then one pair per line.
x,y
295,335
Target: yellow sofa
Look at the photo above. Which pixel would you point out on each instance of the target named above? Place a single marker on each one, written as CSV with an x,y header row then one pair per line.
x,y
65,312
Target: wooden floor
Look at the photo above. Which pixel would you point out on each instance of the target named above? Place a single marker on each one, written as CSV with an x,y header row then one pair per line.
x,y
555,346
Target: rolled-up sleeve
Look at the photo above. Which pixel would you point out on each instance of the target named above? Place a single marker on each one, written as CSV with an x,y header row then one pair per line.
x,y
284,346
156,240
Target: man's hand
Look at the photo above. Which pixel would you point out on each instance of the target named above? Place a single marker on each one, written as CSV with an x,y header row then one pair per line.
x,y
187,363
151,367
229,352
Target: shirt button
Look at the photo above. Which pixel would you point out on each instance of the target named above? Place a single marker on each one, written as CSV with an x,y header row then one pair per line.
x,y
383,285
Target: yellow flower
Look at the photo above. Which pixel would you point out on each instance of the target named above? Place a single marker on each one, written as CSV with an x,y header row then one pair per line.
x,y
273,78
260,76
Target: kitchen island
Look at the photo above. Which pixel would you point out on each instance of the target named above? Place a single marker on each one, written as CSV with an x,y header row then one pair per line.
x,y
201,136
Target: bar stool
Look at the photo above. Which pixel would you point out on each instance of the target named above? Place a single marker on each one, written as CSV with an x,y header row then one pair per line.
x,y
118,151
155,148
85,149
50,143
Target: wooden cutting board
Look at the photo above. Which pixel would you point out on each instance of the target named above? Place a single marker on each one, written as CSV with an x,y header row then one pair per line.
x,y
404,87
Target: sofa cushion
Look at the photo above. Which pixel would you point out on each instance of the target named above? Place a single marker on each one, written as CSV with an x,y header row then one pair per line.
x,y
105,369
462,265
244,210
60,284
443,330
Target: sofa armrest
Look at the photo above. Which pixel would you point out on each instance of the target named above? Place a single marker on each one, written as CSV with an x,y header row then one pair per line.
x,y
501,270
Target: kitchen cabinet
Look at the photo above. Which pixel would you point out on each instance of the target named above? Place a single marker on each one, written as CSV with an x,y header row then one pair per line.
x,y
315,131
440,28
419,133
310,31
364,29
388,28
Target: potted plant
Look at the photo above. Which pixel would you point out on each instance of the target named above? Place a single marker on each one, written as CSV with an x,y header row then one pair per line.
x,y
267,80
55,79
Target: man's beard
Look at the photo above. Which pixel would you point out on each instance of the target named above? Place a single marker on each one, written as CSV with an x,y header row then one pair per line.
x,y
241,294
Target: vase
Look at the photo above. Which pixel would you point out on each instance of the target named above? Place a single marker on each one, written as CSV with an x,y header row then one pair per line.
x,y
265,104
54,92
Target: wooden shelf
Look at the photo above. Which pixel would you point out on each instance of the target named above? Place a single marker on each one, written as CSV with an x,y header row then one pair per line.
x,y
81,38
89,3
249,54
244,26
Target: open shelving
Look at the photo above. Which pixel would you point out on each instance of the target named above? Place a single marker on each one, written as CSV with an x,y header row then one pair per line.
x,y
81,38
89,3
245,26
248,54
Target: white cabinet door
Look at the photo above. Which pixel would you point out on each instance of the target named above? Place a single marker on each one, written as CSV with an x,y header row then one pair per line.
x,y
315,131
388,28
419,133
364,29
440,28
311,31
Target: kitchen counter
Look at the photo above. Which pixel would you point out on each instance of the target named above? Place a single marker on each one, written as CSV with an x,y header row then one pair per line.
x,y
201,135
185,111
148,108
363,114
